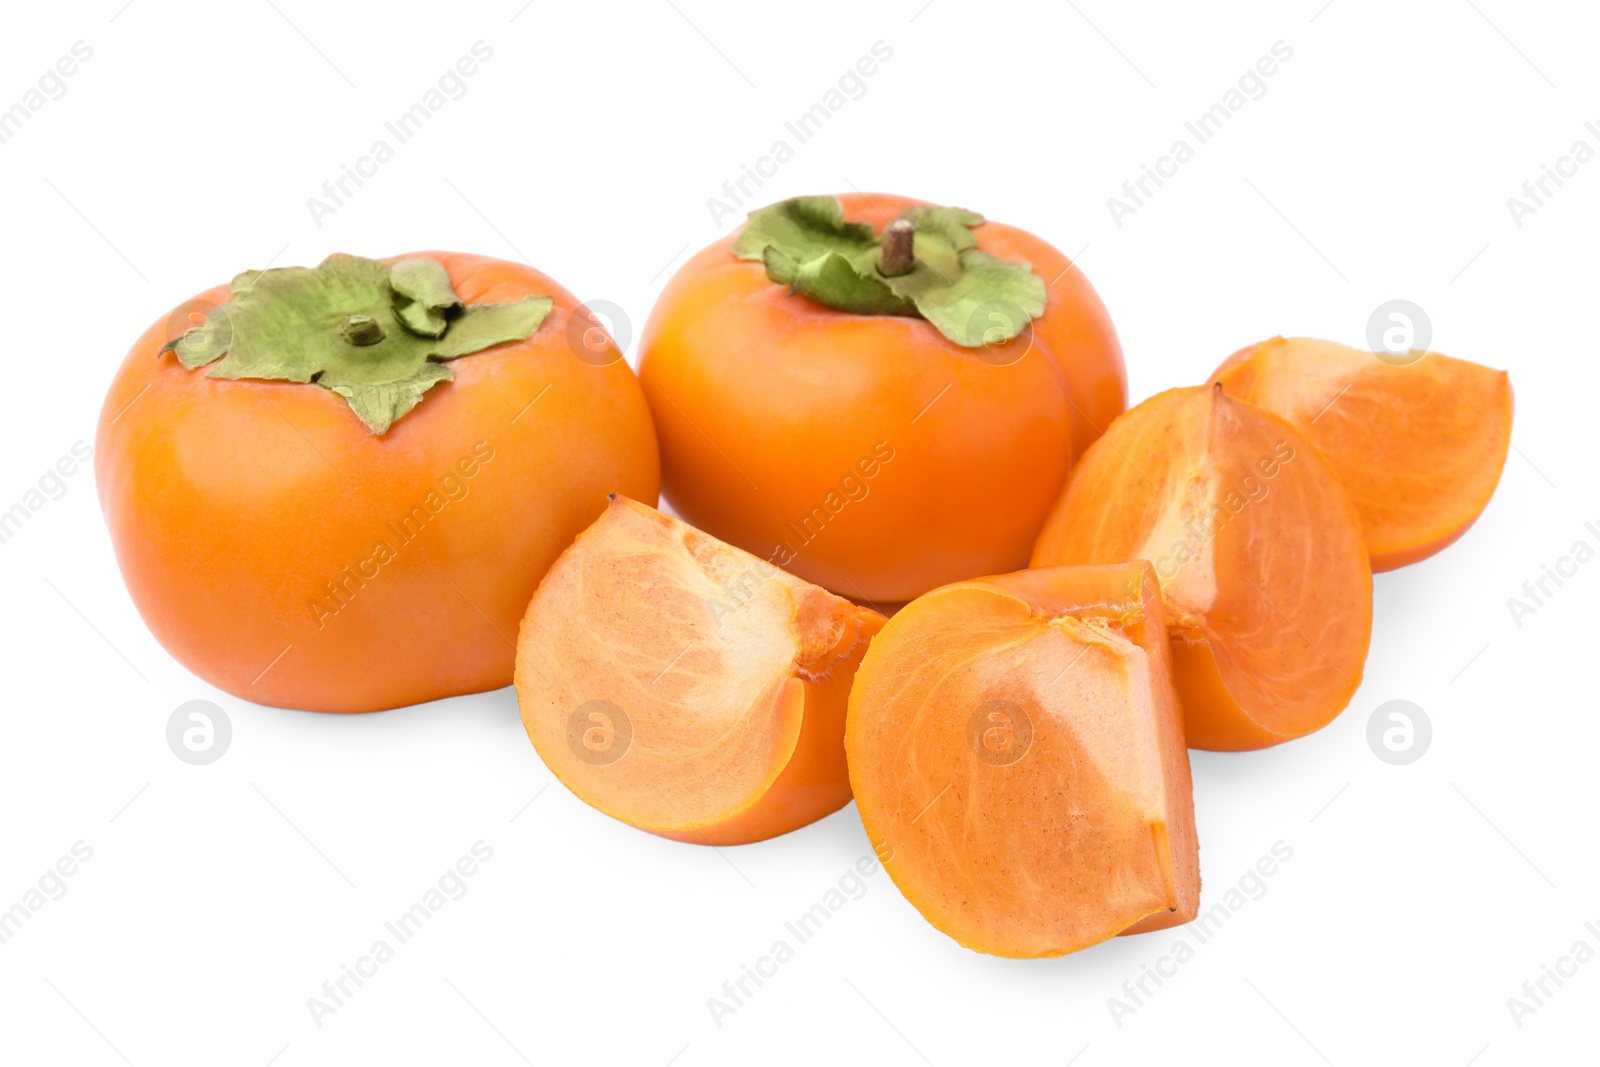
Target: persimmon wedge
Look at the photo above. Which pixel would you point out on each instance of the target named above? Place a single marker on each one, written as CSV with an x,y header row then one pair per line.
x,y
1419,442
1263,572
685,686
1018,759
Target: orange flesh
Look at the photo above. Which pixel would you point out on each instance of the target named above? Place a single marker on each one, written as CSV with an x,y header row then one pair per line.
x,y
731,675
1041,833
1263,571
1419,446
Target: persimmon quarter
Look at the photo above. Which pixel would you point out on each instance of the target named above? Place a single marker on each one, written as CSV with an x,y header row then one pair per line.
x,y
1419,442
1263,572
1018,759
686,687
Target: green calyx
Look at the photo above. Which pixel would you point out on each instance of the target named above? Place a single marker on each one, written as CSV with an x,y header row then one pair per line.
x,y
376,334
935,271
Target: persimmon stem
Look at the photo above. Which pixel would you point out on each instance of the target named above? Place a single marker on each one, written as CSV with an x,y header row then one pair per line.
x,y
361,330
898,255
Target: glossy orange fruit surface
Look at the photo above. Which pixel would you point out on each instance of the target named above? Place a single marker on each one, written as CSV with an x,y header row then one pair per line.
x,y
869,453
288,555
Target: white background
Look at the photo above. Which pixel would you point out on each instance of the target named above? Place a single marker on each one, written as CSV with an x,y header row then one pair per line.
x,y
1377,166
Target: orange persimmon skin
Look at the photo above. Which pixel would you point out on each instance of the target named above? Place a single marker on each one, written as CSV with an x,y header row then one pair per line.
x,y
1258,549
869,454
727,678
1419,446
236,507
1075,822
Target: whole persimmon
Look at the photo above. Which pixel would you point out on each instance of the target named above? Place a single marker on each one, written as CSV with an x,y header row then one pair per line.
x,y
336,488
877,394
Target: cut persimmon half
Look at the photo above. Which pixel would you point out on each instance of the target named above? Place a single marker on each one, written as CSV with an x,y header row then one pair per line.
x,y
1018,759
1258,550
1418,440
685,686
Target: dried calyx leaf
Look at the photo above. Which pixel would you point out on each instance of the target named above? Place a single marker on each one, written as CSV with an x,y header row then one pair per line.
x,y
970,297
375,334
